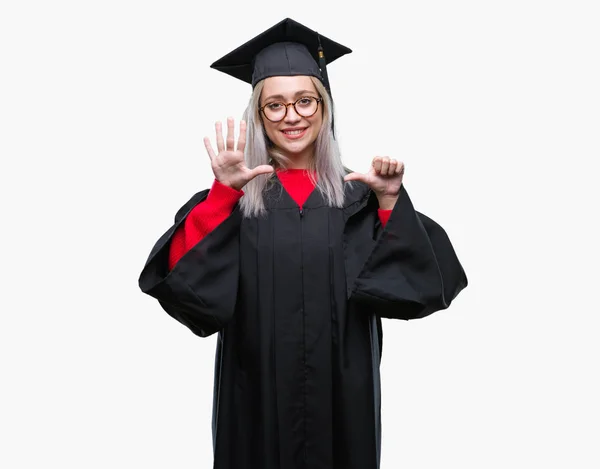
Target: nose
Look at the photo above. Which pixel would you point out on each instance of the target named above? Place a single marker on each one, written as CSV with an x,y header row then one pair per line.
x,y
291,115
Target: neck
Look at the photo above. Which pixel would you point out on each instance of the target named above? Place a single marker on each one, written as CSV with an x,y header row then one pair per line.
x,y
300,160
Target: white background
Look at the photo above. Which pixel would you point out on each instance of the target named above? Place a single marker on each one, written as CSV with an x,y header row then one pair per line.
x,y
493,107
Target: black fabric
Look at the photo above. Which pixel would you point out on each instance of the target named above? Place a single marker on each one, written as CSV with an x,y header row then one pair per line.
x,y
287,48
297,299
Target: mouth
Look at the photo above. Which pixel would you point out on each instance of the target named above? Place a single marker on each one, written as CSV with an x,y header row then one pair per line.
x,y
294,133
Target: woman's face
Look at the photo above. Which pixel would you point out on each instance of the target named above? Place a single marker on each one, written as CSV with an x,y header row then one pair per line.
x,y
294,134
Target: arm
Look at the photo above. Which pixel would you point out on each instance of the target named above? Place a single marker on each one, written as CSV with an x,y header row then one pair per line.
x,y
412,269
200,290
203,219
194,276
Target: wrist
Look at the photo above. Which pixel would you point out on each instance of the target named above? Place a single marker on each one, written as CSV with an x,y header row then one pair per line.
x,y
387,202
225,184
221,191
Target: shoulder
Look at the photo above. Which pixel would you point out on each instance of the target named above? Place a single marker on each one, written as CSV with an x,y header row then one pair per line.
x,y
190,204
431,226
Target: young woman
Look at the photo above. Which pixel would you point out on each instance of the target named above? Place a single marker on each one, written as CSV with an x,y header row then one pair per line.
x,y
294,260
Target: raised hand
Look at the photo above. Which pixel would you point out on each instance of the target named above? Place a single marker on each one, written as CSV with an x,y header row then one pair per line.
x,y
229,165
384,178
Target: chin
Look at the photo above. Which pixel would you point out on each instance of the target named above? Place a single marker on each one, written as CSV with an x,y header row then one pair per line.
x,y
293,148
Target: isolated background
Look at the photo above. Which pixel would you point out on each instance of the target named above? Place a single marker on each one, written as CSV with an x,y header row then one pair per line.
x,y
493,107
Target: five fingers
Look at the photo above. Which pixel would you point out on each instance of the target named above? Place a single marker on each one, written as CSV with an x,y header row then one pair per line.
x,y
229,143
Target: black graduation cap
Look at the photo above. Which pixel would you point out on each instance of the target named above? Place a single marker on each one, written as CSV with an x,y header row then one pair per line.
x,y
288,48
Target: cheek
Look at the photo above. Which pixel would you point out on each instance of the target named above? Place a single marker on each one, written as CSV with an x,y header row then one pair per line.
x,y
317,127
270,131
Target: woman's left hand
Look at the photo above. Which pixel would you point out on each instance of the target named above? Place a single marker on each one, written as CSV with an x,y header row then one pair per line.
x,y
384,178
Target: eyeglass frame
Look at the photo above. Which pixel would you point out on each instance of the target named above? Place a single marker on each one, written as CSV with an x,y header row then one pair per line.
x,y
262,108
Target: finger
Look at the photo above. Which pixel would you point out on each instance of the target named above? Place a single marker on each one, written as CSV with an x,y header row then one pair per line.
x,y
209,148
230,137
219,132
392,168
355,177
262,169
377,164
400,168
385,165
242,140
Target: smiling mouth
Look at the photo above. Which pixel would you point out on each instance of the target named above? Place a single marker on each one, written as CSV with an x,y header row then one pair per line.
x,y
293,132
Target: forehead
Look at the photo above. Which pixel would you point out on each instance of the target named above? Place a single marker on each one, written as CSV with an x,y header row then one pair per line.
x,y
287,86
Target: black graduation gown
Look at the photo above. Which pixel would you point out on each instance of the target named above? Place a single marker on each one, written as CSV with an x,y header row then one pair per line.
x,y
297,298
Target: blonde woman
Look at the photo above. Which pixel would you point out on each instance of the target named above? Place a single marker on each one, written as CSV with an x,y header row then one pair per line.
x,y
293,260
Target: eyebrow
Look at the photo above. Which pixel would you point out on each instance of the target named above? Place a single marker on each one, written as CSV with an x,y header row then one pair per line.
x,y
298,93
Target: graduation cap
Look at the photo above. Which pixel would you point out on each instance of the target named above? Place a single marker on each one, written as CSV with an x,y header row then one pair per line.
x,y
286,49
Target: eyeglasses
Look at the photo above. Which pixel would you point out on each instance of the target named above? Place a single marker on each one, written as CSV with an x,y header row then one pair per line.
x,y
305,107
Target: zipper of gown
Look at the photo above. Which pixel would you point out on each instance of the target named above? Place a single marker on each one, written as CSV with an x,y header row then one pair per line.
x,y
301,212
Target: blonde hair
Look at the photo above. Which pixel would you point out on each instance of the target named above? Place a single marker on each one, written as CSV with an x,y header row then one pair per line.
x,y
327,162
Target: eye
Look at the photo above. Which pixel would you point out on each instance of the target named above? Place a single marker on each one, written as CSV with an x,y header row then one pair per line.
x,y
274,106
305,101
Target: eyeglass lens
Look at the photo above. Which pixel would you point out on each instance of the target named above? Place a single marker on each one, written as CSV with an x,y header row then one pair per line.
x,y
305,107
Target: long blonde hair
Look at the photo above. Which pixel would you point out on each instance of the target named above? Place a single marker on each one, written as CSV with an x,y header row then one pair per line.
x,y
327,162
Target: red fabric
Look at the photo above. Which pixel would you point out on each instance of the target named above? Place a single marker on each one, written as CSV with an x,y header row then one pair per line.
x,y
221,201
203,218
297,183
384,215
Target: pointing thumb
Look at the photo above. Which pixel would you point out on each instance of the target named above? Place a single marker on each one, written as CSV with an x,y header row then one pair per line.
x,y
354,177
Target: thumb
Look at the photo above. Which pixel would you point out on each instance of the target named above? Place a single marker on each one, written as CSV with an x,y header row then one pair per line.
x,y
262,169
355,177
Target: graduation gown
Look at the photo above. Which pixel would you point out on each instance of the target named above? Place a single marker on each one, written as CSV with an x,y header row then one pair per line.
x,y
297,299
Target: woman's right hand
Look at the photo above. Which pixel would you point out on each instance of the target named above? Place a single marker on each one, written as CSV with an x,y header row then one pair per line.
x,y
229,165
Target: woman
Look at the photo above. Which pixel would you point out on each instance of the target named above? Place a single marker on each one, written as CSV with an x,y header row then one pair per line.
x,y
294,261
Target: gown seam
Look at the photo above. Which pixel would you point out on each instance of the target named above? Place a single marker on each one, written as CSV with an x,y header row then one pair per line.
x,y
304,391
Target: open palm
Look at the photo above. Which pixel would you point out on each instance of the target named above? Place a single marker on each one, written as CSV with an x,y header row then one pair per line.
x,y
229,164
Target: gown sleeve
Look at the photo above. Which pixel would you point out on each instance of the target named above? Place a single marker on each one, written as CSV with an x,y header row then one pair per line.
x,y
203,218
200,291
412,270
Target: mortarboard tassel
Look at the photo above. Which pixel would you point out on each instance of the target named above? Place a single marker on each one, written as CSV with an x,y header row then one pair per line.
x,y
323,67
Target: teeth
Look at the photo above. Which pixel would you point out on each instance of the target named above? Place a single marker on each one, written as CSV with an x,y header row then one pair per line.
x,y
293,132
